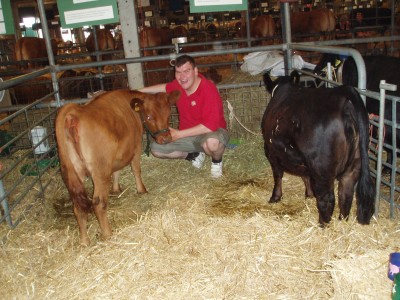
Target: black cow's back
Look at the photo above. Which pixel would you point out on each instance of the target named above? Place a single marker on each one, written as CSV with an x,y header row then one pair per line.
x,y
321,135
377,67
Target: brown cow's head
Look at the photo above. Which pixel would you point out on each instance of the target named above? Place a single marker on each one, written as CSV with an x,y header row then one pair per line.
x,y
155,110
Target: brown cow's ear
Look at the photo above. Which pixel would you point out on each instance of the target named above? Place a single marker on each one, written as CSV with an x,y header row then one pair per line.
x,y
136,103
174,96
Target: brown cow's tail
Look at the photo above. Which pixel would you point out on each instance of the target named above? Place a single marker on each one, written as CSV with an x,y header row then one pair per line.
x,y
365,191
329,31
18,51
332,24
66,133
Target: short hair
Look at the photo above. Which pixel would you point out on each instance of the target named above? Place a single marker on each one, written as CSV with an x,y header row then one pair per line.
x,y
183,59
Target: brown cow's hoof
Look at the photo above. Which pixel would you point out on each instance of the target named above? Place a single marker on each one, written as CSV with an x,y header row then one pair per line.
x,y
116,192
85,242
105,237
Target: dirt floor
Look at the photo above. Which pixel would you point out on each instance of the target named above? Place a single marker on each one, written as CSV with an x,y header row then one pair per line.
x,y
192,237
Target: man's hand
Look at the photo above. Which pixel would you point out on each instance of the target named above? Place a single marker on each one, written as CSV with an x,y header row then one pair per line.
x,y
174,134
177,134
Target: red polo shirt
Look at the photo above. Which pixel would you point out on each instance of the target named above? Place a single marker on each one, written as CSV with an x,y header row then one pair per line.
x,y
204,106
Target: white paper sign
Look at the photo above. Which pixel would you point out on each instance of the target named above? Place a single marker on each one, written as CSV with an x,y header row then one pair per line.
x,y
216,2
3,28
89,14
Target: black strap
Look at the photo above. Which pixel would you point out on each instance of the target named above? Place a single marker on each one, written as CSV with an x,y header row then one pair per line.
x,y
147,150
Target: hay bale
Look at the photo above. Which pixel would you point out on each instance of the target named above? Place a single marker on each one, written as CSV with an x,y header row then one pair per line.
x,y
192,237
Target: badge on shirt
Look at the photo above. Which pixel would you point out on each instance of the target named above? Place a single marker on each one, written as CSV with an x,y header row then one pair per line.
x,y
193,103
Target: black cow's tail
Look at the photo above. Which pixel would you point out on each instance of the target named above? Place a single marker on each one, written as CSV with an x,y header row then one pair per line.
x,y
365,191
65,127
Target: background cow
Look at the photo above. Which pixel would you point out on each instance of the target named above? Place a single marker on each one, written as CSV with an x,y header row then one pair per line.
x,y
371,16
378,67
105,42
318,21
320,135
262,26
28,48
153,37
100,138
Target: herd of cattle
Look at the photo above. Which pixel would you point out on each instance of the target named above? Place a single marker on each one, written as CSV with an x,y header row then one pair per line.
x,y
319,134
318,21
264,29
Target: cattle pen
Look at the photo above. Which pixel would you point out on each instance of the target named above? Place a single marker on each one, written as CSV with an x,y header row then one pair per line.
x,y
190,237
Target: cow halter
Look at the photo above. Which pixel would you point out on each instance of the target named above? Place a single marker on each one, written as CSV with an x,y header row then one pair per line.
x,y
154,134
148,131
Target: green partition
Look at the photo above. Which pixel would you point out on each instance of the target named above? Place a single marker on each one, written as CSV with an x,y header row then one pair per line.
x,y
6,18
79,13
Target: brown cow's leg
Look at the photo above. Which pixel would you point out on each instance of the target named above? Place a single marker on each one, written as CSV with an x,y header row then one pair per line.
x,y
135,165
116,188
82,217
100,203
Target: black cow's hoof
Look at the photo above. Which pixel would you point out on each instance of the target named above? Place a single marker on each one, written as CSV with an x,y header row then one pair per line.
x,y
274,199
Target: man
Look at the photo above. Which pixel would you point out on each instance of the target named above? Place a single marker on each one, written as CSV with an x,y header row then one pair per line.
x,y
202,126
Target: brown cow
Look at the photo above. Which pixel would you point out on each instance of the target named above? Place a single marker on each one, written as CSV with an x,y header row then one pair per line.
x,y
179,31
317,21
28,48
105,42
262,26
154,37
102,137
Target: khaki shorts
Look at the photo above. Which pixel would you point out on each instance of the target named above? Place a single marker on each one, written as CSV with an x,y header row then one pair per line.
x,y
192,143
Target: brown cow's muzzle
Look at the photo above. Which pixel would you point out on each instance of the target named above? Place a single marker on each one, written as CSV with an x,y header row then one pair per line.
x,y
163,138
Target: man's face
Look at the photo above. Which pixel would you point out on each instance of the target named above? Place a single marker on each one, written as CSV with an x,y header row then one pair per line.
x,y
186,75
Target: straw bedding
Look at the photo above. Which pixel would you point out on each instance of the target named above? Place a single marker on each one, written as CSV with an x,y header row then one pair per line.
x,y
192,237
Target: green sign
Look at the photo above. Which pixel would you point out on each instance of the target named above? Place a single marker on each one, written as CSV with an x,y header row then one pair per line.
x,y
198,6
6,19
79,13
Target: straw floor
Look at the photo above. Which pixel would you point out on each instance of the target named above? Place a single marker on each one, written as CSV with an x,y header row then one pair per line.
x,y
192,237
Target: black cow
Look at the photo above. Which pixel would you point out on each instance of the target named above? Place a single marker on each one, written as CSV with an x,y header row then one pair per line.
x,y
371,16
320,134
378,67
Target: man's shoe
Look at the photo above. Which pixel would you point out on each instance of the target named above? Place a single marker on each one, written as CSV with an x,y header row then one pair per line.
x,y
216,170
197,161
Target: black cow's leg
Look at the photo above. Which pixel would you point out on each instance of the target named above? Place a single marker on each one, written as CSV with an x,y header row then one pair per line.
x,y
325,201
309,191
346,193
277,191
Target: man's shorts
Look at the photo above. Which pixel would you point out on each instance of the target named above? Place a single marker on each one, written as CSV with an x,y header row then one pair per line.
x,y
192,143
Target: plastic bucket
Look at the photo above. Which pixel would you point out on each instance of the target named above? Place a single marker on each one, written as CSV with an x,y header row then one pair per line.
x,y
394,264
37,135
